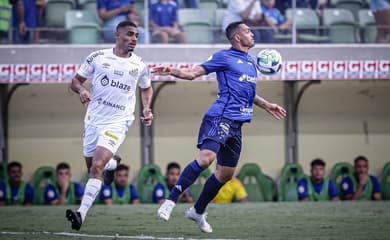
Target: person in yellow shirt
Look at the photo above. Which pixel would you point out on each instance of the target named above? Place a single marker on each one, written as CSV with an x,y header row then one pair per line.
x,y
232,191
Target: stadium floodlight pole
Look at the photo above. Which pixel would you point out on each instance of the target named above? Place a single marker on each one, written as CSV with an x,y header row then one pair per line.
x,y
294,24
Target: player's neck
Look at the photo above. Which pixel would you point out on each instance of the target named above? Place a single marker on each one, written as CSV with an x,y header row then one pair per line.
x,y
240,48
120,52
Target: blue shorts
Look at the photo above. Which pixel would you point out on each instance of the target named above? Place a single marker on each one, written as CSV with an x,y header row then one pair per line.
x,y
222,136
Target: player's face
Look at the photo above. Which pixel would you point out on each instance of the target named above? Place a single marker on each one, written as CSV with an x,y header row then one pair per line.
x,y
63,175
126,38
172,176
247,39
15,174
121,178
361,167
318,172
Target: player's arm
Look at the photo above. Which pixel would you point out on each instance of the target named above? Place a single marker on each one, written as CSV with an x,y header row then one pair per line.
x,y
77,87
304,199
187,196
272,108
146,98
107,201
183,73
135,201
335,198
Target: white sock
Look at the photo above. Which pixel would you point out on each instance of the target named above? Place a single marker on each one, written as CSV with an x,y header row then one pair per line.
x,y
92,189
111,164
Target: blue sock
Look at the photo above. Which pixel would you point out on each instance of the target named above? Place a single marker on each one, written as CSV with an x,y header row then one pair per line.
x,y
210,190
187,178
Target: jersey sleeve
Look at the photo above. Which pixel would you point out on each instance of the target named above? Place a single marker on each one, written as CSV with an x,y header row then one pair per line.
x,y
346,186
158,193
302,189
106,192
375,185
133,192
50,193
29,194
144,80
2,192
332,189
216,62
87,68
240,192
78,190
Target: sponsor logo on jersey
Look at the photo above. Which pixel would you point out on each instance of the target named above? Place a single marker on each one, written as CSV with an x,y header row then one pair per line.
x,y
106,65
239,61
117,72
113,105
93,56
133,72
111,135
246,110
105,81
247,78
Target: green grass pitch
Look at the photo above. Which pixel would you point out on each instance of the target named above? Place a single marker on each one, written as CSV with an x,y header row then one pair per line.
x,y
287,221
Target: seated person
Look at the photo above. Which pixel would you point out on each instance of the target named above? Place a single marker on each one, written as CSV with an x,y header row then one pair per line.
x,y
362,186
114,12
163,21
232,191
171,177
120,192
15,191
274,20
317,187
64,191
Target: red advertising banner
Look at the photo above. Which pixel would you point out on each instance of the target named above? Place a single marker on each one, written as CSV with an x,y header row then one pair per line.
x,y
291,71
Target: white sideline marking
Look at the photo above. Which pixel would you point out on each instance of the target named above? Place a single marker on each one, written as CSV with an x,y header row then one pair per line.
x,y
71,234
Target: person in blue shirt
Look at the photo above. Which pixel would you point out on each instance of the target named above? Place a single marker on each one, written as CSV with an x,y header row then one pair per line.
x,y
274,19
163,21
64,191
361,186
120,192
27,33
317,187
113,12
15,191
171,177
220,131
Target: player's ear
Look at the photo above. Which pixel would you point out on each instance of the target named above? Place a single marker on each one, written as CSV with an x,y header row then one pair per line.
x,y
116,34
237,37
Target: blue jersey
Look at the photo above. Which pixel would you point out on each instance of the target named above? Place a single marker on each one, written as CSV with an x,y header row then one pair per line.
x,y
273,14
237,76
347,185
109,5
28,193
304,193
30,14
106,192
159,192
51,193
164,15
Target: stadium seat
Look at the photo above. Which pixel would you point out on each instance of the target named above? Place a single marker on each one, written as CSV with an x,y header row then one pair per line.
x,y
340,25
210,5
307,24
258,186
338,172
3,171
385,182
367,26
352,5
139,5
196,24
197,187
219,35
42,176
55,12
290,175
148,177
82,26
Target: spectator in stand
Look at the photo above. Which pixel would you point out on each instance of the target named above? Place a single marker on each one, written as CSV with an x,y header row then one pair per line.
x,y
274,20
232,191
113,12
381,10
317,5
25,22
163,21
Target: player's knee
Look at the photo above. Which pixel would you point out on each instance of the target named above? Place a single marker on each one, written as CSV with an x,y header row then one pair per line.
x,y
223,177
97,169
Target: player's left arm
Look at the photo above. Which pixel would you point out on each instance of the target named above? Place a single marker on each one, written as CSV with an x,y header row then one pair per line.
x,y
146,98
183,73
272,108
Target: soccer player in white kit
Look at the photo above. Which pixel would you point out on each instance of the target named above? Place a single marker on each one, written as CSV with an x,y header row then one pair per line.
x,y
115,73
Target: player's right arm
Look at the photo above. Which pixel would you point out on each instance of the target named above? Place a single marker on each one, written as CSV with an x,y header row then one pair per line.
x,y
183,73
77,87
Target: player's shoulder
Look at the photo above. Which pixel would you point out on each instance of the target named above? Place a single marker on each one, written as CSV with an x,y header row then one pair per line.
x,y
302,181
96,54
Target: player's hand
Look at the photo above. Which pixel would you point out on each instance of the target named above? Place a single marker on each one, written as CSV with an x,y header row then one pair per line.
x,y
85,96
64,184
22,28
276,111
126,8
363,178
162,70
147,119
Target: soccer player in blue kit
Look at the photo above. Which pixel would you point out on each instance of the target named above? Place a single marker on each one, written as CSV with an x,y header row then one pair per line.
x,y
220,131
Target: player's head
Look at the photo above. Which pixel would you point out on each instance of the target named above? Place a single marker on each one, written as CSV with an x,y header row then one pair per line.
x,y
240,35
361,165
126,35
14,170
317,169
121,175
63,172
173,173
268,3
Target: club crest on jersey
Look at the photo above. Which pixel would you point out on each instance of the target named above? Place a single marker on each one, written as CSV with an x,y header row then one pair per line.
x,y
133,72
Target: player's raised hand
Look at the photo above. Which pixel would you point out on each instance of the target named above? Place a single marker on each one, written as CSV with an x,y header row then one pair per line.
x,y
162,70
276,111
147,119
85,96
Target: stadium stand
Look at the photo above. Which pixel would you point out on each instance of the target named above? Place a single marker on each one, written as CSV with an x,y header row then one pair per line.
x,y
197,187
196,24
148,176
367,26
341,25
385,182
258,186
82,26
338,172
55,12
289,177
41,178
352,5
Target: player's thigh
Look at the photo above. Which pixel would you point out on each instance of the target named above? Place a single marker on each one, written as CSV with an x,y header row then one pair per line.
x,y
111,136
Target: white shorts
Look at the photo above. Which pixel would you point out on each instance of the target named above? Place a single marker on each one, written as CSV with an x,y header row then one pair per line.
x,y
109,136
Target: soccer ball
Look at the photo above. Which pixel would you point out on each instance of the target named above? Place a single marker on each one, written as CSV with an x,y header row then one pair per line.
x,y
269,61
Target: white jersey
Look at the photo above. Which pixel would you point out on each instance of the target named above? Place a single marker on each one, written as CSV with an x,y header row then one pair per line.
x,y
114,83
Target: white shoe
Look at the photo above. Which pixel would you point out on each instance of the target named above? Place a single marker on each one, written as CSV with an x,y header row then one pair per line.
x,y
165,210
200,220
